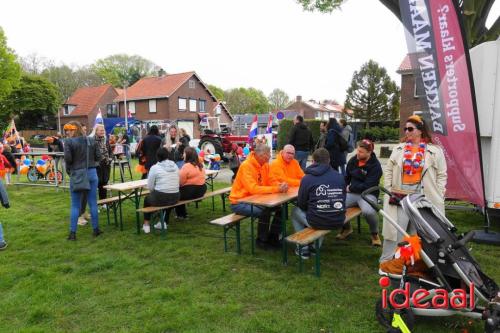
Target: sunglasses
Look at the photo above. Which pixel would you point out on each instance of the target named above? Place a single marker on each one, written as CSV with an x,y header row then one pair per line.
x,y
409,129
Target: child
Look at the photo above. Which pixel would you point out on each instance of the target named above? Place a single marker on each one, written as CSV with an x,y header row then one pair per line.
x,y
4,198
7,152
5,167
234,161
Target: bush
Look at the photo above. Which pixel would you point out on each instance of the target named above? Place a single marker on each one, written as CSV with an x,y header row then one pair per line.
x,y
286,125
385,133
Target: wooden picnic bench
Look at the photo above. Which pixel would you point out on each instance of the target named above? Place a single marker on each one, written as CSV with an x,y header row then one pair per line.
x,y
162,210
112,202
228,222
309,235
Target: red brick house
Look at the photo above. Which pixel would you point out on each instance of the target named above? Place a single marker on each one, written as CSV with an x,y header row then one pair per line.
x,y
410,91
318,110
182,97
85,103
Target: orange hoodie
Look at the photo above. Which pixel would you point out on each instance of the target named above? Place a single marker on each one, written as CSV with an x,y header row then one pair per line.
x,y
252,178
283,172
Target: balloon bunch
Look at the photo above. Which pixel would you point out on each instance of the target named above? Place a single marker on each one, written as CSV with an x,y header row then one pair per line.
x,y
25,166
41,166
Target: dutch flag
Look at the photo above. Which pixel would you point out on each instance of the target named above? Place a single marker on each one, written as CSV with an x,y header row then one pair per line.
x,y
253,129
98,118
269,128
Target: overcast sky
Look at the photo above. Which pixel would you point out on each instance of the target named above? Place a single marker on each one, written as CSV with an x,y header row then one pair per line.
x,y
264,44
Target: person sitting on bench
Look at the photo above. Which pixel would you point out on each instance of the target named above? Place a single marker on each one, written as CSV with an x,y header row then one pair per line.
x,y
363,171
321,199
191,180
163,184
285,168
253,178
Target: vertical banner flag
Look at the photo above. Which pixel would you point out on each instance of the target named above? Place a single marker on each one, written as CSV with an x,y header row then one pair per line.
x,y
11,135
269,128
254,128
439,54
98,118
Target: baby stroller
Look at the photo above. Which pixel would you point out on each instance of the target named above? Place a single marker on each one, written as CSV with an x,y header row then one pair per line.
x,y
448,267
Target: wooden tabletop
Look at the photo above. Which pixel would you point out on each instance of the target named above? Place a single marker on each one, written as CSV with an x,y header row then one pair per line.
x,y
271,200
211,172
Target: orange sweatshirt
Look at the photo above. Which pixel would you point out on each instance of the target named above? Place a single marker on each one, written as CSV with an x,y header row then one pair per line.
x,y
252,178
283,172
191,175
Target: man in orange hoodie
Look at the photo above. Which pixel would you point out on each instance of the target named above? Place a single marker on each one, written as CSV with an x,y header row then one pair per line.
x,y
285,168
253,178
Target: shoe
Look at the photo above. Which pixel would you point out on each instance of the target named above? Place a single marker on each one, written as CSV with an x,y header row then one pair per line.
x,y
3,246
72,236
158,225
263,245
146,228
104,206
82,221
97,232
344,233
376,240
181,217
303,253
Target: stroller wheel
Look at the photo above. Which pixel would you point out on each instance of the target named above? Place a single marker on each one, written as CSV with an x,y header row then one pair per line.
x,y
385,317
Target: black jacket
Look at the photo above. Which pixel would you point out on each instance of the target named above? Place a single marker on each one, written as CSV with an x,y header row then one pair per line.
x,y
337,157
301,138
362,178
149,147
74,153
322,195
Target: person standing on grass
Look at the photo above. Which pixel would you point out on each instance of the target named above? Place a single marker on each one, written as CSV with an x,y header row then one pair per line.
x,y
163,184
104,167
322,135
83,218
253,178
147,149
81,152
4,198
337,156
191,180
301,139
363,172
321,199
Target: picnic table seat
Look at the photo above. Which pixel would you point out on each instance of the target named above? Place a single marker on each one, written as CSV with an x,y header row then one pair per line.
x,y
231,221
112,202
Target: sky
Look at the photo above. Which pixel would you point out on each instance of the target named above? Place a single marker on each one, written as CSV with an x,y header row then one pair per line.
x,y
264,44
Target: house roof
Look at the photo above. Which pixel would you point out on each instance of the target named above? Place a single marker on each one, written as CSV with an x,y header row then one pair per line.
x,y
156,87
331,107
86,99
409,63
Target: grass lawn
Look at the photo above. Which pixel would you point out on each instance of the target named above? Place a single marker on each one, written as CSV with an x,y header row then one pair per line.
x,y
124,282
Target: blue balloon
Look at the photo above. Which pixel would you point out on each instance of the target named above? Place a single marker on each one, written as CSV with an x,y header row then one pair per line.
x,y
27,162
198,150
40,162
246,151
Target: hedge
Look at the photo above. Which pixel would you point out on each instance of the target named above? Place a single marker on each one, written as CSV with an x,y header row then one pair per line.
x,y
379,133
285,126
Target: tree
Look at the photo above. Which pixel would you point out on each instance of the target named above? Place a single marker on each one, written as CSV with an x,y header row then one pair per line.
x,y
34,63
10,73
218,92
33,101
68,79
278,99
474,14
120,69
373,96
242,100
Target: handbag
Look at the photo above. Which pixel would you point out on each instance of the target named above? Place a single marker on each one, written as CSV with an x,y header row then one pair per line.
x,y
396,197
79,177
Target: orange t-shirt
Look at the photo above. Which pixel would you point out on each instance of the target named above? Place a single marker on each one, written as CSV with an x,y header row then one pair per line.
x,y
191,175
414,178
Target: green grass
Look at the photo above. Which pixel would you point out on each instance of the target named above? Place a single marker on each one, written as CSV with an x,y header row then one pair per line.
x,y
124,282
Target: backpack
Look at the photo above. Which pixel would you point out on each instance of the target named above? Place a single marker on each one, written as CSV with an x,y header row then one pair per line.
x,y
350,145
342,143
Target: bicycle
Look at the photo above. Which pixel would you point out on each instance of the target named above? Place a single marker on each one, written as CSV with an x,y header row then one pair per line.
x,y
49,175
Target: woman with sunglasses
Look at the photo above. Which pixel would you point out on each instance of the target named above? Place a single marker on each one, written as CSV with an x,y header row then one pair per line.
x,y
416,165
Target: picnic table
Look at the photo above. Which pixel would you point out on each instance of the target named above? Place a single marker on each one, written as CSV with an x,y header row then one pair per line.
x,y
270,201
133,190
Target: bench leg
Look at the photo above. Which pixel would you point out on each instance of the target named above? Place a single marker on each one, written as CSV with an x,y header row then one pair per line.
x,y
358,219
107,213
121,215
115,214
223,202
225,238
252,237
163,215
318,255
301,262
238,244
284,216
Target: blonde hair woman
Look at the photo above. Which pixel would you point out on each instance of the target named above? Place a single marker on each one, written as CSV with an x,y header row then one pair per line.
x,y
104,167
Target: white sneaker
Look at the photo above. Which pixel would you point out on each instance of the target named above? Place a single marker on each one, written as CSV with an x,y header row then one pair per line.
x,y
104,206
158,225
146,228
82,221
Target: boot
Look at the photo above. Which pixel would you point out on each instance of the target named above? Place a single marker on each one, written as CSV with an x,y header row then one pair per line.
x,y
345,232
376,240
97,232
72,236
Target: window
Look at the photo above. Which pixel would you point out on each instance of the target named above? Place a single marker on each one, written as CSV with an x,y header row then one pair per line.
x,y
192,105
203,104
191,84
318,115
182,104
419,88
152,106
111,111
68,109
131,107
218,110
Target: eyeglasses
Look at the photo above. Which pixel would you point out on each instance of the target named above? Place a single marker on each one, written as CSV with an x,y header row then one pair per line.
x,y
409,129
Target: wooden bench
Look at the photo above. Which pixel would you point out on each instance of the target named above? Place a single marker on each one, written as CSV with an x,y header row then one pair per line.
x,y
162,210
309,235
231,221
112,202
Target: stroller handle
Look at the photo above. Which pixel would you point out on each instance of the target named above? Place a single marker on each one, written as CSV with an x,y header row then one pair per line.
x,y
464,240
372,203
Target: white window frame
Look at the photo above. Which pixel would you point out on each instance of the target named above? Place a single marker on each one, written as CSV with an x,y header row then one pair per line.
x,y
193,105
131,108
182,104
152,106
204,102
68,108
191,84
218,110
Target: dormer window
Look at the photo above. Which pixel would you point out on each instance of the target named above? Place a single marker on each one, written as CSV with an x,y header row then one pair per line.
x,y
68,108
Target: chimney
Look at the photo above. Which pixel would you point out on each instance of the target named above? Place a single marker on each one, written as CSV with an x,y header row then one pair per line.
x,y
161,72
299,98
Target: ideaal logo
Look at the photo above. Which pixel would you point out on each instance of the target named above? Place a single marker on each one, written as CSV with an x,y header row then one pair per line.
x,y
457,299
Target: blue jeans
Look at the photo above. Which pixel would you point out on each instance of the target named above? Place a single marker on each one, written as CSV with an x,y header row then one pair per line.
x,y
76,198
301,157
266,231
245,209
1,234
